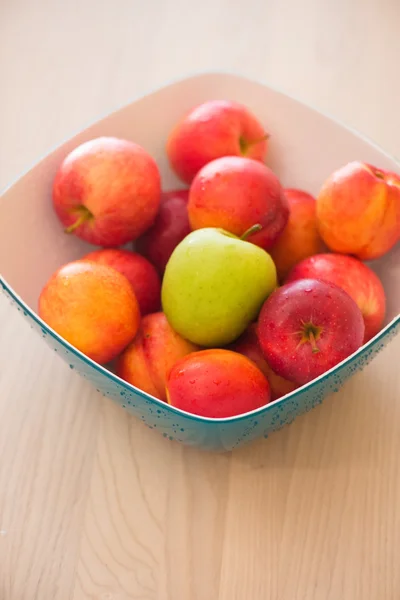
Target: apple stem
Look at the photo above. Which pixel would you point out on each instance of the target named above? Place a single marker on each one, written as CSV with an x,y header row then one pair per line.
x,y
83,217
244,145
313,343
250,231
264,138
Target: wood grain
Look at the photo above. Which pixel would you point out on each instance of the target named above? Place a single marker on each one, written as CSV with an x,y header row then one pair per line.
x,y
93,506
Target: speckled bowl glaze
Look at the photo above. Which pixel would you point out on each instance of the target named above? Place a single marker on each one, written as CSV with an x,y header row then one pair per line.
x,y
305,148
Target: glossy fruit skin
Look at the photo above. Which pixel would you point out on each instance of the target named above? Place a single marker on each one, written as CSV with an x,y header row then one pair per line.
x,y
217,383
91,306
301,304
114,185
234,193
214,286
356,278
358,211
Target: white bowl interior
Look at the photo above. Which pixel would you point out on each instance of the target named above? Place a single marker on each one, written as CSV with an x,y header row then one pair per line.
x,y
305,148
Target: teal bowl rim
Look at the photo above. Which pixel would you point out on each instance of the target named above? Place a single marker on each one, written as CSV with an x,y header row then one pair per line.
x,y
109,374
206,420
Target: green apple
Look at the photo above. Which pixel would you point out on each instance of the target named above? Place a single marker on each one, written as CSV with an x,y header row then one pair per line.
x,y
214,285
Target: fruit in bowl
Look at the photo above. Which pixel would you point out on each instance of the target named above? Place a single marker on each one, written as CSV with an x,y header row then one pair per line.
x,y
170,227
229,311
358,210
140,273
214,285
307,327
217,383
356,278
249,345
211,130
107,191
234,193
91,306
147,360
300,237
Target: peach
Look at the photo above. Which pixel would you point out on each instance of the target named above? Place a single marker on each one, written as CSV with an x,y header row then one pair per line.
x,y
148,359
300,238
107,191
235,193
91,306
249,346
214,129
358,280
169,228
358,211
217,384
140,273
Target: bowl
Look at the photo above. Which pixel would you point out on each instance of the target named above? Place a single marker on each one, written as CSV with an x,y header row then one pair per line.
x,y
306,147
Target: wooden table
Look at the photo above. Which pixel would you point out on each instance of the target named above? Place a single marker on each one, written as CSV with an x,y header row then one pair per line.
x,y
92,504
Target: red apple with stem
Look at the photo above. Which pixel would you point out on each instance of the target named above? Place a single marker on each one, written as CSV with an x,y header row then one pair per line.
x,y
307,327
356,278
107,191
233,193
211,130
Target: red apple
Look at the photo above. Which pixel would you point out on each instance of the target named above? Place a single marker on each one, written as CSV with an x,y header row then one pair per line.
x,y
249,346
358,280
307,327
300,238
217,384
140,273
107,191
358,211
234,193
211,130
171,225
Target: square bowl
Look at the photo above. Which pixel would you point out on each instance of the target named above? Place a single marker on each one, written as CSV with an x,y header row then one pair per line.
x,y
307,146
